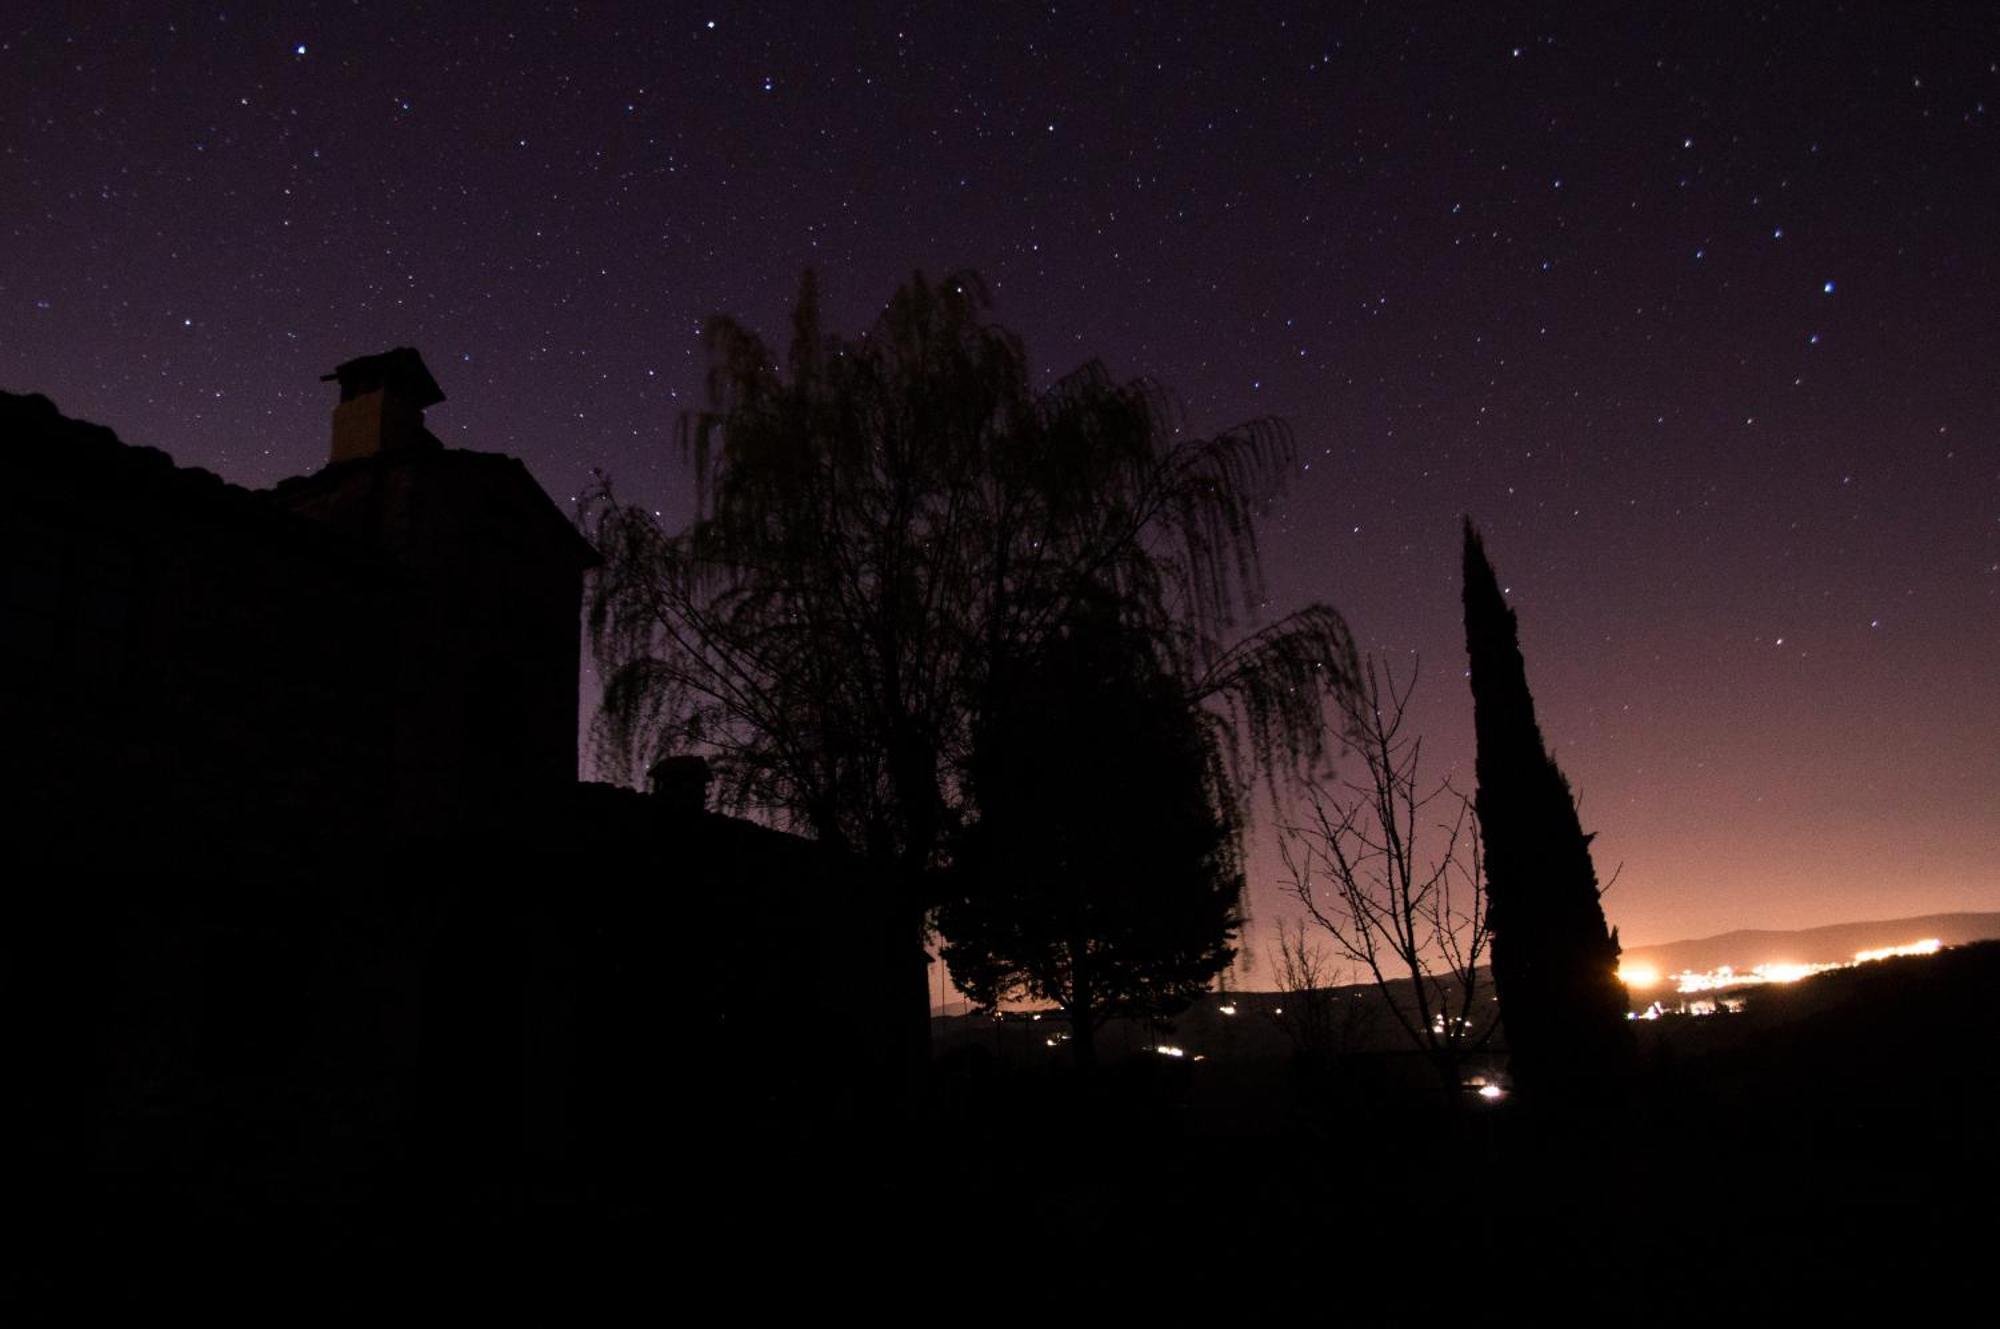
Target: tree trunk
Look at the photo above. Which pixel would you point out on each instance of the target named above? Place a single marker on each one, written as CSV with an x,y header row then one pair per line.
x,y
1450,1076
1083,1026
918,1065
1083,1044
914,776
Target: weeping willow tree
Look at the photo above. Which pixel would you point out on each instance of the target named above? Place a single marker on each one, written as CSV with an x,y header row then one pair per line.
x,y
882,521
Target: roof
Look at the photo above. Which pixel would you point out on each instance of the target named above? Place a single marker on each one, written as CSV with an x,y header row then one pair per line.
x,y
49,454
402,369
494,467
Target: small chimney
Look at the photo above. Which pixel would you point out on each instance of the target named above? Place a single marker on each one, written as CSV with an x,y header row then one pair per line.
x,y
680,784
382,401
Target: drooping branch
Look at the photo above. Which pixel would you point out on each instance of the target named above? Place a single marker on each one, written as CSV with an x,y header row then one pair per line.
x,y
881,521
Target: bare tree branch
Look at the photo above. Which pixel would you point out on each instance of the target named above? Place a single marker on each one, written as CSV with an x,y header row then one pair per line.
x,y
1388,869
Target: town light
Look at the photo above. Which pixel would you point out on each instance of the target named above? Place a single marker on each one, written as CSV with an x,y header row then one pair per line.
x,y
1639,975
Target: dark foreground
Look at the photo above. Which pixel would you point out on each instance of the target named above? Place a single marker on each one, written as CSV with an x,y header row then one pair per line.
x,y
1837,1141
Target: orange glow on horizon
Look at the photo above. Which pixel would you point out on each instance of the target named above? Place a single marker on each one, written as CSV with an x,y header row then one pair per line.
x,y
1784,971
1928,946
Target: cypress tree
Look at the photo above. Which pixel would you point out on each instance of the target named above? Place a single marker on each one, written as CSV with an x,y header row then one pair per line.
x,y
1555,963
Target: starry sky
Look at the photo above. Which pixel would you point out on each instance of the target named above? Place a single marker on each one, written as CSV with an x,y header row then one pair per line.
x,y
1694,308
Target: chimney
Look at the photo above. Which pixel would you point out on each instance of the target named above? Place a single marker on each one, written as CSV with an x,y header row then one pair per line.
x,y
680,784
382,401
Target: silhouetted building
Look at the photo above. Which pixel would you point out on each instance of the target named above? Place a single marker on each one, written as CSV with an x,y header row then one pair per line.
x,y
387,644
306,886
182,650
485,666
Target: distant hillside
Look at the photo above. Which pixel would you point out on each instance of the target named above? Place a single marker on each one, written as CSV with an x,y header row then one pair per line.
x,y
1827,945
1740,950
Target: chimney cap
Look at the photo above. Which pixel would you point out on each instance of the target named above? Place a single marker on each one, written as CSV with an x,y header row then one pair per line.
x,y
681,782
401,371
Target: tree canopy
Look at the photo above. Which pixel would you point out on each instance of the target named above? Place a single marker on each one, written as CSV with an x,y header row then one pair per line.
x,y
1102,875
880,520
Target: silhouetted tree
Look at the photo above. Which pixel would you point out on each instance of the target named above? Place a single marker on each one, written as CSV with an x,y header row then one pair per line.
x,y
1320,1023
1555,963
1389,870
1102,873
878,522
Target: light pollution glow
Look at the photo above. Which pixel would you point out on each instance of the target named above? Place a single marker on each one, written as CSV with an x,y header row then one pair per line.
x,y
1642,976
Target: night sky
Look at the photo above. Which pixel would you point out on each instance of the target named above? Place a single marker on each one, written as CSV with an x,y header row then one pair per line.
x,y
1695,311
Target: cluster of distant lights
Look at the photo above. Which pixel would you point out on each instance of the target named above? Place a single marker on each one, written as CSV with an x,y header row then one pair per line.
x,y
1060,1037
1642,977
1487,1090
1637,976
